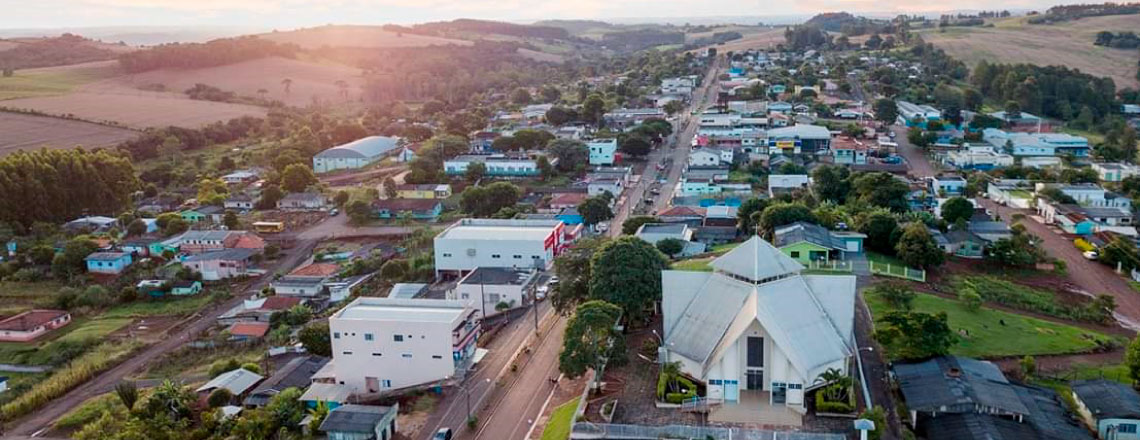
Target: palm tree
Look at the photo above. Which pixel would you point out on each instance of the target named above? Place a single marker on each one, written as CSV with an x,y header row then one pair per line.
x,y
318,415
838,382
671,370
128,393
288,83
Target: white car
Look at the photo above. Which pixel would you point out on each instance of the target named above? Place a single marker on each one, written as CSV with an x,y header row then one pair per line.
x,y
540,293
1090,255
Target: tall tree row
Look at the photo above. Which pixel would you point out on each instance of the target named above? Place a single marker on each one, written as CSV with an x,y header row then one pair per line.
x,y
59,185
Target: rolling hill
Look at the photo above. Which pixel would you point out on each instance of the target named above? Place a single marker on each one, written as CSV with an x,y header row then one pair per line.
x,y
1013,40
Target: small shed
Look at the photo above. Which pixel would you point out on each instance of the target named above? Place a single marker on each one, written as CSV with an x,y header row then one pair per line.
x,y
361,422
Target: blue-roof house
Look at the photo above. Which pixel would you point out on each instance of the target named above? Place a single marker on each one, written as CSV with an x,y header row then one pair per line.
x,y
108,262
571,216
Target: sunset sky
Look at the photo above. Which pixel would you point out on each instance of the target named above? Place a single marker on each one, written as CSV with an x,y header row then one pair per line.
x,y
296,13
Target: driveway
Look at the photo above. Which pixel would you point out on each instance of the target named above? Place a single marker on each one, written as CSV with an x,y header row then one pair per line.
x,y
1092,277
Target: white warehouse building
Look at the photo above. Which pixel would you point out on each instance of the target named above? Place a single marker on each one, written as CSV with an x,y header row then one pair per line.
x,y
523,244
355,154
388,344
499,289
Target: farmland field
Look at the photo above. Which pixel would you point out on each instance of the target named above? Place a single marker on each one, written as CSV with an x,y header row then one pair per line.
x,y
309,79
135,108
357,36
51,81
753,39
25,132
1069,44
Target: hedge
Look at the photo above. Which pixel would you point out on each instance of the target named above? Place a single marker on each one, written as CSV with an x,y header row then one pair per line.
x,y
685,383
825,406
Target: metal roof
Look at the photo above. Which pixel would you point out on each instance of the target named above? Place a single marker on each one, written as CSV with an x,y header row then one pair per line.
x,y
236,381
803,231
498,276
756,260
1107,399
298,373
947,381
365,148
403,310
354,418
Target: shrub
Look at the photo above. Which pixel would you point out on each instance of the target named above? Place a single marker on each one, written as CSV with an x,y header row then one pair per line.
x,y
222,366
252,367
63,380
879,416
679,398
825,406
219,398
970,299
1083,245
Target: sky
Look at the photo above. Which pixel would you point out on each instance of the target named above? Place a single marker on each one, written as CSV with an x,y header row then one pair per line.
x,y
287,14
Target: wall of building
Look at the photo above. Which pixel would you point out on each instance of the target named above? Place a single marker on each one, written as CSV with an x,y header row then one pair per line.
x,y
452,254
424,355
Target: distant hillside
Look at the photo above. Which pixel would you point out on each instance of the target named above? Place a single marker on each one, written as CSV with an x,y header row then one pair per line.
x,y
847,24
63,50
1069,44
470,26
357,36
1062,13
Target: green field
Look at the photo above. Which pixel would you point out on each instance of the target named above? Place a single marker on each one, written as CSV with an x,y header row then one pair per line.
x,y
19,297
694,264
558,428
160,307
49,82
91,410
988,337
81,331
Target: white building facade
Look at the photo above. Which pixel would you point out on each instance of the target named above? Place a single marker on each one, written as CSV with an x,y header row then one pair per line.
x,y
523,244
602,151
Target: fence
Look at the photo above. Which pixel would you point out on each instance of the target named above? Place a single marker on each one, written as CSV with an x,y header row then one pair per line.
x,y
830,266
897,271
586,430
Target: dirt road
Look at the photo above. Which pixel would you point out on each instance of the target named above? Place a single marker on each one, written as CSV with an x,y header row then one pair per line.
x,y
106,381
916,159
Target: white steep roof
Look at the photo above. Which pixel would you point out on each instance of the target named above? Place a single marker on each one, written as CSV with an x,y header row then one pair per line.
x,y
756,260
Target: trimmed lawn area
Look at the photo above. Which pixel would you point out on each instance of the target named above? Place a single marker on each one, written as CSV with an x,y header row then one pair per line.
x,y
558,428
988,337
694,264
884,259
723,248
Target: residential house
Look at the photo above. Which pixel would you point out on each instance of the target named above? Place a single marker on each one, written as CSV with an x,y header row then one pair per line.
x,y
239,202
960,243
383,344
361,422
29,325
655,232
247,331
1019,120
914,115
193,242
423,191
306,201
331,394
704,157
602,151
779,107
849,151
957,398
800,138
1016,193
1115,171
408,152
108,262
157,205
92,224
756,328
471,243
492,290
691,215
419,209
3,384
212,213
299,286
341,288
259,309
1110,408
297,373
237,382
192,216
562,201
947,185
221,264
185,287
1085,220
356,154
624,118
241,176
1037,144
597,185
1089,194
408,290
787,183
136,247
808,243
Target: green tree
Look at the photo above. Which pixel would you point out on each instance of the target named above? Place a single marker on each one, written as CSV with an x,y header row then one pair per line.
x,y
781,214
831,182
916,247
395,270
916,335
546,171
632,224
633,145
627,272
886,110
589,338
748,209
559,116
297,177
230,220
593,109
71,261
136,227
176,226
520,97
474,172
219,397
222,366
270,195
671,246
1028,366
358,212
573,269
128,393
897,294
571,154
595,210
315,338
673,107
957,208
390,188
883,190
341,197
1132,359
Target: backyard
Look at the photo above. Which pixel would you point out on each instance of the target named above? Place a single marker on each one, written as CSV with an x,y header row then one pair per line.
x,y
989,333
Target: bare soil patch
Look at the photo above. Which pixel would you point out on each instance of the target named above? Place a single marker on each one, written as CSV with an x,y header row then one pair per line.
x,y
27,132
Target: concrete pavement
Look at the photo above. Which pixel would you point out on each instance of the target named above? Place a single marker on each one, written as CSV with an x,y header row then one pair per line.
x,y
511,416
916,159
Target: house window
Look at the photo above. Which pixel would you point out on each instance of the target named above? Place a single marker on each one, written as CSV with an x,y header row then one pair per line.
x,y
398,338
496,256
518,257
446,255
494,298
386,383
376,354
466,296
406,355
436,356
336,335
795,254
368,336
1126,428
347,353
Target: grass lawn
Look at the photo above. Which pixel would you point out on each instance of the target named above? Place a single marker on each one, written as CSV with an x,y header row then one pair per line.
x,y
20,297
159,307
1114,372
80,331
694,264
1021,335
723,248
884,259
558,428
191,362
34,82
1135,285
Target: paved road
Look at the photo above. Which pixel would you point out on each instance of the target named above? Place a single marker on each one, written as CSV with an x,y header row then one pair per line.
x,y
1091,277
916,160
481,385
511,417
203,320
676,148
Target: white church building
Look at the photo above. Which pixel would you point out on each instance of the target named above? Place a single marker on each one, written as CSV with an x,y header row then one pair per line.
x,y
756,326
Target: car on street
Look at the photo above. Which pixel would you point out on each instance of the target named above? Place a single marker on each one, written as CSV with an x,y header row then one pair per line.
x,y
333,212
1090,255
442,434
540,293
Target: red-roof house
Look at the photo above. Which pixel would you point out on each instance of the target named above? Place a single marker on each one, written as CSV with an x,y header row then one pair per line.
x,y
32,324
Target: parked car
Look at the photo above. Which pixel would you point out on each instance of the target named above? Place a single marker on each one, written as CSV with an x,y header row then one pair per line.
x,y
1091,255
540,293
333,212
442,434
